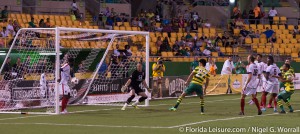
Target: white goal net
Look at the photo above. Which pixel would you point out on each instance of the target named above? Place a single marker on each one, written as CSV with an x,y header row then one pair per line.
x,y
104,60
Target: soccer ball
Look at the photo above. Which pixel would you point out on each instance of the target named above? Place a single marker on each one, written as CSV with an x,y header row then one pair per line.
x,y
74,80
290,77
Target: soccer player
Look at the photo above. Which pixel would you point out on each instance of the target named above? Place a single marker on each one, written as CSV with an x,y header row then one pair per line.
x,y
272,84
198,76
43,87
158,72
136,78
65,76
286,94
250,85
261,67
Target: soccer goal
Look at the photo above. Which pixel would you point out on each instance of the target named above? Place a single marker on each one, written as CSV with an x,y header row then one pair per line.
x,y
104,60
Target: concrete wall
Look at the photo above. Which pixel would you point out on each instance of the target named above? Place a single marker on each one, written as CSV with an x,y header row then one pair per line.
x,y
216,15
13,5
58,7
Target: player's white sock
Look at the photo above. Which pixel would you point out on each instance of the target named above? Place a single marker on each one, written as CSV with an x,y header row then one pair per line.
x,y
124,107
136,103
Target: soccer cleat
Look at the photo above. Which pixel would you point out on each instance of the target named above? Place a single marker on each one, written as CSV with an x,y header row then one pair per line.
x,y
241,113
251,102
259,113
291,111
263,109
135,106
173,109
275,110
269,106
64,112
123,108
282,112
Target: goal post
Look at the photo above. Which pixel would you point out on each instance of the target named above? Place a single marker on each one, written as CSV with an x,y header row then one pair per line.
x,y
37,51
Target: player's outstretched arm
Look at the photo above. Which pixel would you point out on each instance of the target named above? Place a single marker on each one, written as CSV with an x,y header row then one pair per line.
x,y
126,85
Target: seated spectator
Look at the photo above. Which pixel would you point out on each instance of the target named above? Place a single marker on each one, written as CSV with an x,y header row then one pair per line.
x,y
296,31
188,36
186,15
243,33
109,22
255,35
194,26
165,21
42,24
158,42
181,22
195,16
152,27
48,25
273,39
4,32
203,37
118,18
4,14
31,23
165,46
134,22
116,51
207,24
167,29
240,67
225,39
196,37
199,43
232,25
176,46
16,26
239,23
113,13
196,52
190,43
182,42
175,27
127,50
10,28
268,32
207,52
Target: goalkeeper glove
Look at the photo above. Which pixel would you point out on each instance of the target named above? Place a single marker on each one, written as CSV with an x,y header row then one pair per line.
x,y
123,88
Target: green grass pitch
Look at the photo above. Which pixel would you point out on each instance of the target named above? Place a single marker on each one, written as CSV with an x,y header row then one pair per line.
x,y
221,113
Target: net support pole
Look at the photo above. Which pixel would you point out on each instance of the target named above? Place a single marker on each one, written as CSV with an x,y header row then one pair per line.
x,y
57,69
147,68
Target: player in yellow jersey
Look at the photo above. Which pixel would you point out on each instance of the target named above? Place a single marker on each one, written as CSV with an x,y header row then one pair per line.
x,y
198,77
287,79
158,70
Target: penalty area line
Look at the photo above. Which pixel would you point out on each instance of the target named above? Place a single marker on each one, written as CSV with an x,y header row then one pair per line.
x,y
224,119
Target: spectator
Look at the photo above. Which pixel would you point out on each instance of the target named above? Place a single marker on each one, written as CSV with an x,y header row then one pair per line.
x,y
211,66
32,24
127,50
75,9
158,42
175,27
207,52
158,9
182,42
296,31
16,26
272,13
251,16
42,24
167,29
109,22
256,34
198,43
17,67
48,25
240,66
173,8
176,46
107,13
116,51
268,32
225,39
4,14
81,68
165,46
257,13
10,28
188,36
194,26
244,33
113,13
118,18
228,66
194,64
203,37
239,23
181,22
134,22
186,15
273,39
179,13
236,12
165,21
207,24
190,43
4,32
150,14
195,16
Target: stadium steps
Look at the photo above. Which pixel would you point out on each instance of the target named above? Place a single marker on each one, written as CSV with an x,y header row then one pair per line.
x,y
88,16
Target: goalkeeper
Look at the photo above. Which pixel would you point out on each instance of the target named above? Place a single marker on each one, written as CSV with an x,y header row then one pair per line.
x,y
198,76
285,95
136,78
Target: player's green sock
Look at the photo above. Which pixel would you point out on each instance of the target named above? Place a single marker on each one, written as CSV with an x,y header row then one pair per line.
x,y
280,104
202,105
178,102
289,105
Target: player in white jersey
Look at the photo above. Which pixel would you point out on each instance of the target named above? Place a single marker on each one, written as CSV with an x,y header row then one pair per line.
x,y
43,87
251,85
65,77
272,84
261,67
